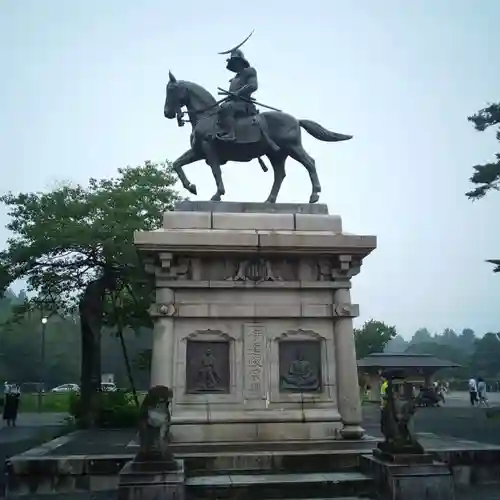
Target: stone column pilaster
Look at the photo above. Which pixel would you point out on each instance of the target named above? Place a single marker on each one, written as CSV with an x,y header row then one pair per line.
x,y
162,357
347,373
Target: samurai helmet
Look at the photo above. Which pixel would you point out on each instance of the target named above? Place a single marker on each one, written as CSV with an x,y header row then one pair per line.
x,y
235,54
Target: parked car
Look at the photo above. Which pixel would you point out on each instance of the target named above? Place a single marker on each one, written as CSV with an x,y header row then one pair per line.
x,y
108,387
66,388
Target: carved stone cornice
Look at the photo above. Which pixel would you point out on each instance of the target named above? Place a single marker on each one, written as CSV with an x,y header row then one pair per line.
x,y
346,266
338,267
256,269
169,266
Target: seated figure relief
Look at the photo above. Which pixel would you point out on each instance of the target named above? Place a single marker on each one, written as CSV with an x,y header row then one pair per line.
x,y
300,375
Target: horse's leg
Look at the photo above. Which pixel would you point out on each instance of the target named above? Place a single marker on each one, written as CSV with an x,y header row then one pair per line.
x,y
190,156
278,163
298,153
213,161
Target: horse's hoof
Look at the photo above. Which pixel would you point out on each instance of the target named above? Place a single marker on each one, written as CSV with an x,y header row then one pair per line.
x,y
314,198
215,197
192,189
270,200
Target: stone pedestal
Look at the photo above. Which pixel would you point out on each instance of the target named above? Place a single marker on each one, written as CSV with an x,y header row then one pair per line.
x,y
253,321
150,481
410,477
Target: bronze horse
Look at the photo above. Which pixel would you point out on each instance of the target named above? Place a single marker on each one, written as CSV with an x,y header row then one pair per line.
x,y
274,134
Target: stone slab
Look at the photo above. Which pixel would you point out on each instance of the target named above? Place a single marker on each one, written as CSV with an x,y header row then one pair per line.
x,y
251,207
251,220
274,221
433,481
142,482
315,484
318,222
187,220
219,240
248,479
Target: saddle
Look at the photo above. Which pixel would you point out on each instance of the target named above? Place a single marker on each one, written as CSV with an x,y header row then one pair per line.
x,y
248,129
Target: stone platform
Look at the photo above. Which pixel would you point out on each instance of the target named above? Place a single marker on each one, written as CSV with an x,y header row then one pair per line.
x,y
87,462
253,321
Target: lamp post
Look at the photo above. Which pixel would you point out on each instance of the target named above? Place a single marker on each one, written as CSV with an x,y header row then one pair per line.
x,y
42,364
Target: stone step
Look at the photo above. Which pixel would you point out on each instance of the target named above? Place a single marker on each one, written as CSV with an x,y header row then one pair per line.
x,y
274,486
313,445
270,462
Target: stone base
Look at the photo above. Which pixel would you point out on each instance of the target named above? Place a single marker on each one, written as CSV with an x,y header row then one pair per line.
x,y
253,432
352,432
246,293
150,481
403,477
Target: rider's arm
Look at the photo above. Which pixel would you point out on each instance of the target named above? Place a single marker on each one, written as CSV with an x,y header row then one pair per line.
x,y
251,84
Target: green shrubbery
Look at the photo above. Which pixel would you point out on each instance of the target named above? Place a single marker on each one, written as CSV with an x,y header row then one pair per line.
x,y
116,410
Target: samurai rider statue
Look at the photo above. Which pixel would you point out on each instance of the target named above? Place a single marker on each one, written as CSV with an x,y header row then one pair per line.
x,y
239,103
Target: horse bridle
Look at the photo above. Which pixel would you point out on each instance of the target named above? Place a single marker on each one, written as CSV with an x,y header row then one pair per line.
x,y
179,114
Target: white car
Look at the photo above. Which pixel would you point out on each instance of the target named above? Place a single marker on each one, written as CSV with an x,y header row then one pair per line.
x,y
66,388
108,387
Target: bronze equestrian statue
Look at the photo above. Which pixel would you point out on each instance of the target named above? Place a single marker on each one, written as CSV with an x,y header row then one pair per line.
x,y
232,129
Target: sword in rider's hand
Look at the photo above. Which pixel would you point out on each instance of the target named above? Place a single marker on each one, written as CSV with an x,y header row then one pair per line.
x,y
252,101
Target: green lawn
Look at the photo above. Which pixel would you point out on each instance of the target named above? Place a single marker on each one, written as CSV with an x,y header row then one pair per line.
x,y
51,402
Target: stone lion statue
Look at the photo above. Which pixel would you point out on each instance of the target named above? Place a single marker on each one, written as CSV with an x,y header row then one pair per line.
x,y
154,426
396,416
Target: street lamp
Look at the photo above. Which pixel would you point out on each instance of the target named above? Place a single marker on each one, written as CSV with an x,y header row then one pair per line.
x,y
42,363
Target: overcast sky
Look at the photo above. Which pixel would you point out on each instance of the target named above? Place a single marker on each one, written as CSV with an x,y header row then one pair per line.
x,y
82,89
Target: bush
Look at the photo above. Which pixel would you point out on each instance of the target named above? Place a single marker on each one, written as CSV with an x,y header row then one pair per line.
x,y
116,410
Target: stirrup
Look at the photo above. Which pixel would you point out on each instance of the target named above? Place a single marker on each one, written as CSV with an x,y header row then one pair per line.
x,y
225,136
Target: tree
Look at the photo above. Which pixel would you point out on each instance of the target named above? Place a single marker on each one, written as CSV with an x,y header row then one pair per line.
x,y
396,345
372,337
420,336
74,247
446,352
486,359
466,340
486,176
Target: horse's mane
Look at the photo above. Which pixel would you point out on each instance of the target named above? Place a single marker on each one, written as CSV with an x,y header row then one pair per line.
x,y
201,92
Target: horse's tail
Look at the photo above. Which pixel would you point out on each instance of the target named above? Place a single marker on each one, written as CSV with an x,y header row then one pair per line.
x,y
321,133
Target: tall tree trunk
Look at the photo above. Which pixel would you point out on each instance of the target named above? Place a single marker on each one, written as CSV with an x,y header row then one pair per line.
x,y
91,371
91,318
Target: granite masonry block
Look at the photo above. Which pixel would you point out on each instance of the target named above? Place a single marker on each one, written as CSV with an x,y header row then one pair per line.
x,y
187,220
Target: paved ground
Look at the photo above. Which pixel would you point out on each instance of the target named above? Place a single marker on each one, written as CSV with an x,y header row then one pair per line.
x,y
32,430
462,399
460,422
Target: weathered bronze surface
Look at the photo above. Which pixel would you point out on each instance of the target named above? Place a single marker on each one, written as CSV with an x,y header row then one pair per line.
x,y
300,366
207,367
232,129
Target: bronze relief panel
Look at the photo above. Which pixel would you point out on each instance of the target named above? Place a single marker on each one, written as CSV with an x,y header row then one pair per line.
x,y
300,366
207,367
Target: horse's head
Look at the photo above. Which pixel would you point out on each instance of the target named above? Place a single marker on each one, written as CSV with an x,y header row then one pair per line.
x,y
183,93
176,97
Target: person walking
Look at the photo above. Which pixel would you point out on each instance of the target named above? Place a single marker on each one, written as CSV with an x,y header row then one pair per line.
x,y
473,391
11,406
481,392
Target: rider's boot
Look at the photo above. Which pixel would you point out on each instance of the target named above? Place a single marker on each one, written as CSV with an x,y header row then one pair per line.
x,y
227,125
